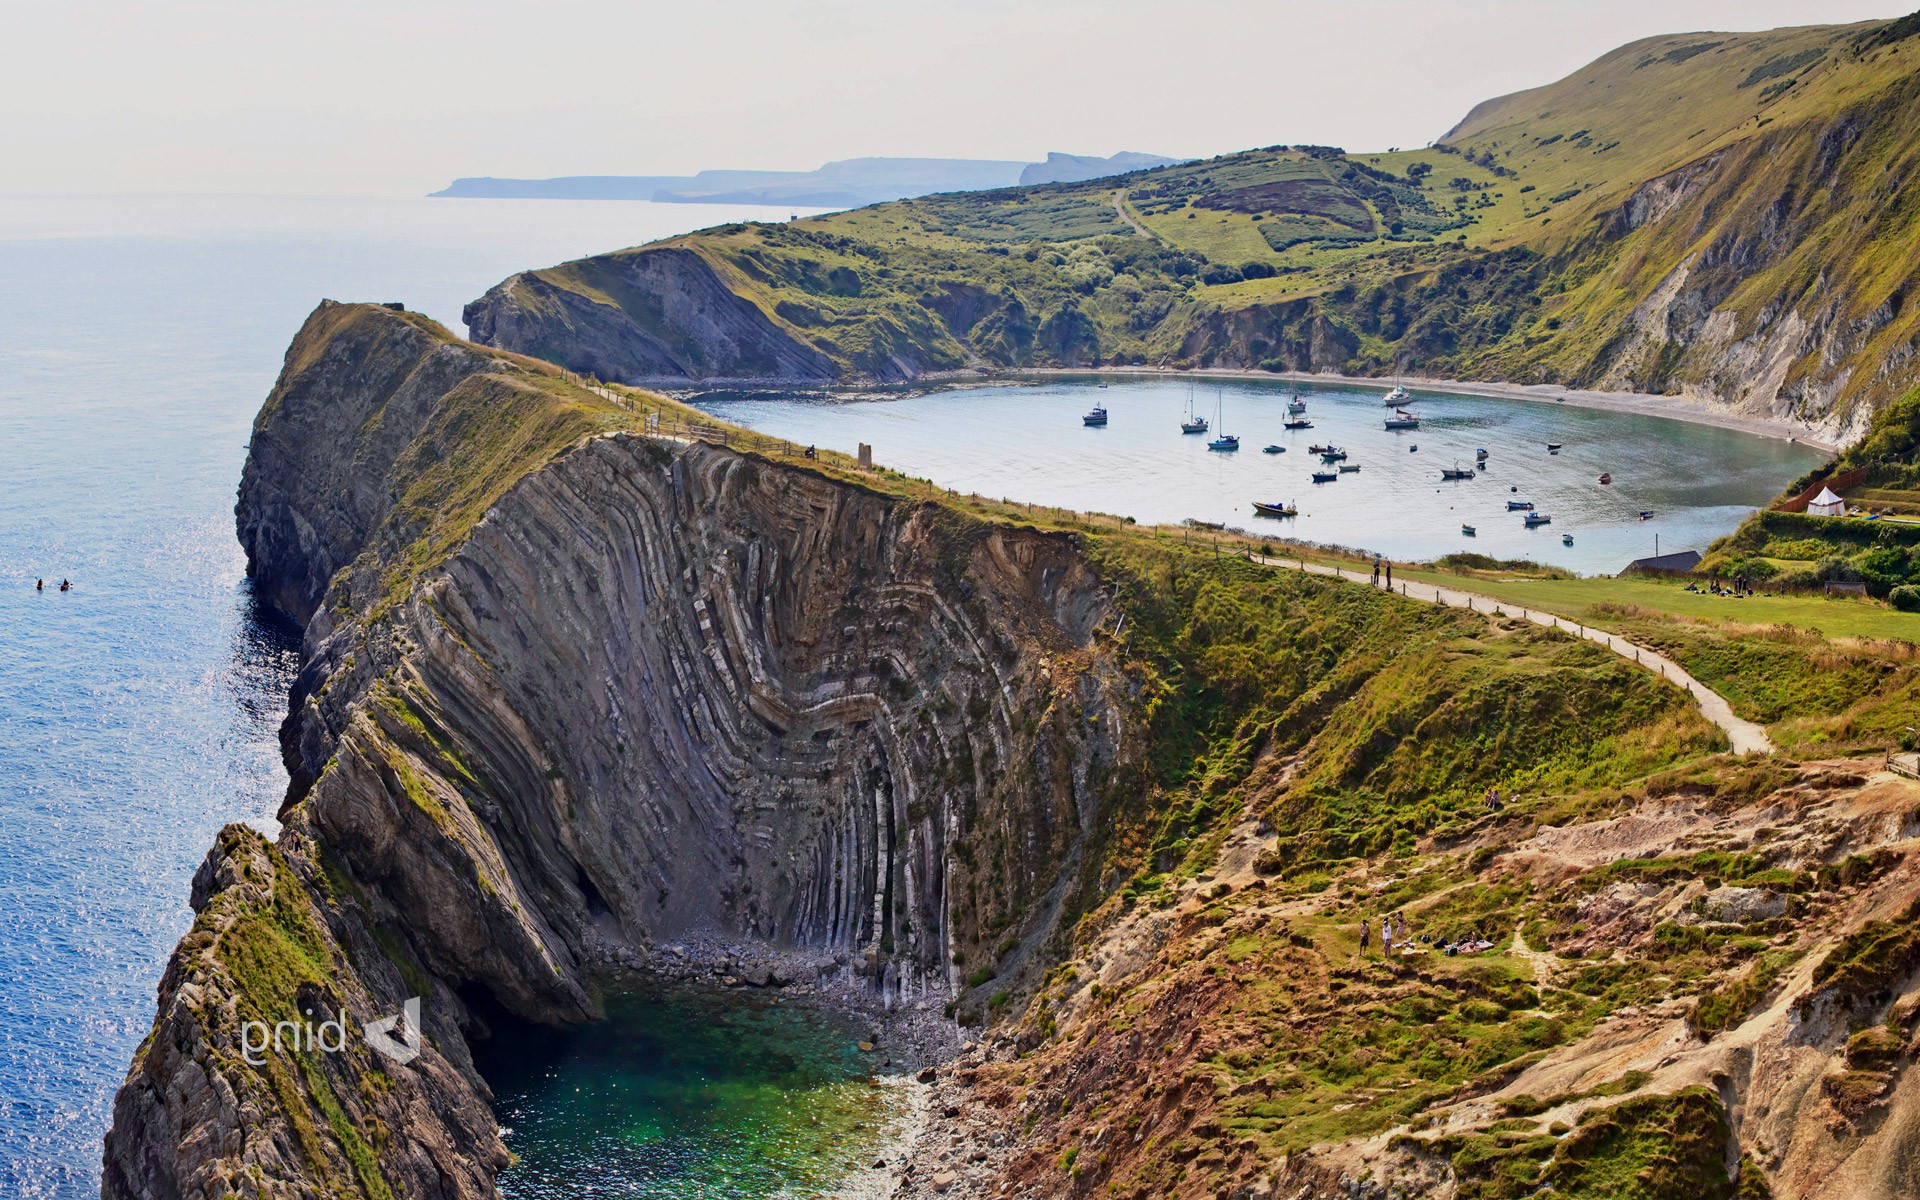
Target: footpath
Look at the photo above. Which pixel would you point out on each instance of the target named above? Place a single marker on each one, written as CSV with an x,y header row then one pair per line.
x,y
1745,736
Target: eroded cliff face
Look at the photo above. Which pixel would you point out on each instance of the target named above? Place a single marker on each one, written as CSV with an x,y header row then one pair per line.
x,y
656,689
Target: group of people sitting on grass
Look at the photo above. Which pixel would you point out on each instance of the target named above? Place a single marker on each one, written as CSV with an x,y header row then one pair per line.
x,y
1393,928
1742,586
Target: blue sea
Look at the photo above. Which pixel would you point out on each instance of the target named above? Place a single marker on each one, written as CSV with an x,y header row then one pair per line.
x,y
138,711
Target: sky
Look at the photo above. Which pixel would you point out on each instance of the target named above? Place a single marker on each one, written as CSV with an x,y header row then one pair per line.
x,y
397,97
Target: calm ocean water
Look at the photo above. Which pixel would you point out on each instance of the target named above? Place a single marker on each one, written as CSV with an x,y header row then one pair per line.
x,y
137,712
1027,442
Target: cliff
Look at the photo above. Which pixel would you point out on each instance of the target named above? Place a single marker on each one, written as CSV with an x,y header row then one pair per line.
x,y
1709,215
570,690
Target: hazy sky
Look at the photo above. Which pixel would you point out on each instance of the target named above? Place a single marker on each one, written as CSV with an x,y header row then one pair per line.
x,y
399,96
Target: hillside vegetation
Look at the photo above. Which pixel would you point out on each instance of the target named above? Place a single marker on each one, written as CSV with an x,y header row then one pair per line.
x,y
1725,215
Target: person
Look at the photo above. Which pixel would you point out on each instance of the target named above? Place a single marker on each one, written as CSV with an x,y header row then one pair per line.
x,y
1386,936
1376,572
65,585
1389,576
1366,936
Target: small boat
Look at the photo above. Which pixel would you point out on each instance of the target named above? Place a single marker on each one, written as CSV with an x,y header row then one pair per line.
x,y
1097,417
1103,385
1332,455
1349,468
1397,396
1566,539
1456,473
1532,519
1468,530
1646,514
1519,506
1606,478
1225,441
1318,449
1514,488
1302,423
1414,449
1554,447
1402,419
1295,405
1325,476
1195,423
1480,455
1274,450
1275,510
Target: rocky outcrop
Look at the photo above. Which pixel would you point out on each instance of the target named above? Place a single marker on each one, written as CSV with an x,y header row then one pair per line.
x,y
641,316
656,690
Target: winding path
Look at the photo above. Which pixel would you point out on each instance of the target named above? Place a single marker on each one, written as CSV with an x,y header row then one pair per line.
x,y
1120,206
1745,736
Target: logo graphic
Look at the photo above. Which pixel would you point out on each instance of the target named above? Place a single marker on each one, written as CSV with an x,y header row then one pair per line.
x,y
330,1037
405,1048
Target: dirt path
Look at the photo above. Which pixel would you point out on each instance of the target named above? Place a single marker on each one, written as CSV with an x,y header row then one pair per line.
x,y
1745,736
1120,206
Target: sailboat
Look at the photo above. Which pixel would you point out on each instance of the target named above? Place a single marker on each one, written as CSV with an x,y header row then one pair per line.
x,y
1225,441
1456,472
1398,396
1295,405
1195,423
1402,419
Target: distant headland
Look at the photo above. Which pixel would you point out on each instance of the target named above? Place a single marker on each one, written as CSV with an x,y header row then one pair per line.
x,y
847,183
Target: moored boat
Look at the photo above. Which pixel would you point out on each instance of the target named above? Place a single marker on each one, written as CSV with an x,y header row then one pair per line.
x,y
1519,506
1402,419
1225,441
1606,478
1397,396
1646,514
1349,468
1195,423
1480,455
1274,450
1332,454
1302,423
1554,447
1533,518
1295,405
1325,476
1566,539
1097,417
1275,510
1456,473
1469,530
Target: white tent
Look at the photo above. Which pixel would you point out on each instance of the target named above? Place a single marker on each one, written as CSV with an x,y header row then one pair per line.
x,y
1826,504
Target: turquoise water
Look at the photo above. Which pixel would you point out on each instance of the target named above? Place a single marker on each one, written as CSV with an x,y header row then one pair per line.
x,y
688,1094
137,712
1027,442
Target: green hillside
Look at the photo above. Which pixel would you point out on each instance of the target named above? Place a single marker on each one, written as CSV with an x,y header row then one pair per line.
x,y
1726,215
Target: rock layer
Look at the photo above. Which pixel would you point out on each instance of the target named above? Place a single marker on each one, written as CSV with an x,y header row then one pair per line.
x,y
657,690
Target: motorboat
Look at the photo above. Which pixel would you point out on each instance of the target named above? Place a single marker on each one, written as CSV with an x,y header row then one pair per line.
x,y
1532,519
1276,449
1480,455
1275,510
1097,417
1402,419
1646,514
1318,449
1332,454
1349,468
1606,478
1456,473
1519,506
1301,423
1325,476
1469,531
1554,447
1566,539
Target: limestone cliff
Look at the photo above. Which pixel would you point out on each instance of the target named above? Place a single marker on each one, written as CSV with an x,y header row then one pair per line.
x,y
570,689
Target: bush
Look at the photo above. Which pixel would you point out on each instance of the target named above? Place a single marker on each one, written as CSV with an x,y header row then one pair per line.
x,y
1906,597
1218,274
1256,270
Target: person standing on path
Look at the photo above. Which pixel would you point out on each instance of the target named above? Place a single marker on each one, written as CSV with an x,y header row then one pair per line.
x,y
1389,576
1366,936
1376,572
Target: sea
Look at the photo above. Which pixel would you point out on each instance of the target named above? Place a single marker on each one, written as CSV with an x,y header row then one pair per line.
x,y
138,709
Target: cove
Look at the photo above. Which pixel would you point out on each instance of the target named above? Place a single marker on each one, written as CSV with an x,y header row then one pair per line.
x,y
689,1092
1026,442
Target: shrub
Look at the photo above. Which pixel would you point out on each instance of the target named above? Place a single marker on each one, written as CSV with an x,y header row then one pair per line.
x,y
1906,597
